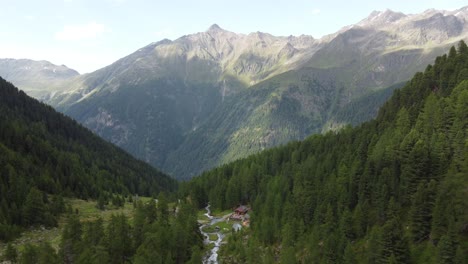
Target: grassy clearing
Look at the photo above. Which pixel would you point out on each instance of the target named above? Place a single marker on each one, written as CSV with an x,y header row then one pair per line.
x,y
87,211
213,237
218,213
224,227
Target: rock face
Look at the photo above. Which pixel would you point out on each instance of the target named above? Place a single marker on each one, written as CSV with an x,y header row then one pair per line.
x,y
214,96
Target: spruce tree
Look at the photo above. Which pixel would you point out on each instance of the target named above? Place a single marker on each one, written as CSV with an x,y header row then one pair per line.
x,y
11,253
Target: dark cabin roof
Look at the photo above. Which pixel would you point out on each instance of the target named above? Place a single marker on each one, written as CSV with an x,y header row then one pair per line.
x,y
242,209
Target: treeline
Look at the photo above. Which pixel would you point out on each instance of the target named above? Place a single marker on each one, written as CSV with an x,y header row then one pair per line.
x,y
45,156
155,235
392,190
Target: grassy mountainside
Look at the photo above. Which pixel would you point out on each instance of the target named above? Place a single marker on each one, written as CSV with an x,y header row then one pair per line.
x,y
392,190
46,153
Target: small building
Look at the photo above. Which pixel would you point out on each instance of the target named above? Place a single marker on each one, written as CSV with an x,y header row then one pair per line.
x,y
239,213
241,210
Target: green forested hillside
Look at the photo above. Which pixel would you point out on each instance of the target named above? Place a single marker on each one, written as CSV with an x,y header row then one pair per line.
x,y
45,156
392,190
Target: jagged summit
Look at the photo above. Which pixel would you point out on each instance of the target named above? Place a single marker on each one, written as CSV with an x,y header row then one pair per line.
x,y
377,18
214,27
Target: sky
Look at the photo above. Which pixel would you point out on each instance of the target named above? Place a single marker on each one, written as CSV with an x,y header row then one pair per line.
x,y
86,35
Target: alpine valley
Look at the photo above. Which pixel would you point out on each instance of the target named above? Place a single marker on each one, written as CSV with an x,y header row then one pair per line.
x,y
212,97
220,147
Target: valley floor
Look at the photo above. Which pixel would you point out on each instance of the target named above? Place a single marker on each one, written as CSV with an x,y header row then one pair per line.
x,y
87,211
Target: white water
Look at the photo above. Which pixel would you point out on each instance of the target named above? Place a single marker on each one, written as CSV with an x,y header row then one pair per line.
x,y
212,256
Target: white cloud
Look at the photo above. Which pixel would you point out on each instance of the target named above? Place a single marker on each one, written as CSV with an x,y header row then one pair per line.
x,y
80,32
315,11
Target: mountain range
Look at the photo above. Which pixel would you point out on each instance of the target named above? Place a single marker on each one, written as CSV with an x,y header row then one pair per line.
x,y
212,97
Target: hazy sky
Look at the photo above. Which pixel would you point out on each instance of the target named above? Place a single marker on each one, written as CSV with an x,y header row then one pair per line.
x,y
88,34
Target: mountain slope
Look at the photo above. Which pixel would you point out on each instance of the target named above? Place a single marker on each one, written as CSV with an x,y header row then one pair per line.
x,y
272,113
39,79
43,152
148,101
214,96
392,190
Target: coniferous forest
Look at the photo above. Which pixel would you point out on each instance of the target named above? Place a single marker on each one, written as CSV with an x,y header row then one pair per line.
x,y
45,156
391,190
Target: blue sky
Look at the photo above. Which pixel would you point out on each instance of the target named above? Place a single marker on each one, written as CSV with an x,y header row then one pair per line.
x,y
89,34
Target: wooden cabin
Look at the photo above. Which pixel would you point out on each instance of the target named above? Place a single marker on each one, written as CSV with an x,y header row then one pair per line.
x,y
241,210
239,213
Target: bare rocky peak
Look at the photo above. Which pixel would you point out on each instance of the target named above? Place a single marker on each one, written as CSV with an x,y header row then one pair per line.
x,y
433,26
256,56
396,21
303,41
461,13
214,28
449,24
389,29
381,18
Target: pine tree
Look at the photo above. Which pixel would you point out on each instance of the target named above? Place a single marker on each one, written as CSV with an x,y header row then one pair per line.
x,y
393,240
34,208
460,255
10,254
47,254
288,256
163,208
349,256
139,223
421,211
101,202
93,232
119,240
447,247
149,251
29,255
196,256
70,245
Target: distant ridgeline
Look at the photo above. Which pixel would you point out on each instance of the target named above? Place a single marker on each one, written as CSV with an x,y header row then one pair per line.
x,y
45,155
392,190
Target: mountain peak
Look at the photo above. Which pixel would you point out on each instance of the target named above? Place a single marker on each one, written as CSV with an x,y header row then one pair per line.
x,y
214,27
377,18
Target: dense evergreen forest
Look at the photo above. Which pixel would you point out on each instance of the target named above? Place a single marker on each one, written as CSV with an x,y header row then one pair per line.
x,y
392,190
155,235
45,156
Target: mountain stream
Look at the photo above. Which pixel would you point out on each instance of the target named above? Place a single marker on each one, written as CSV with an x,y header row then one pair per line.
x,y
211,256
